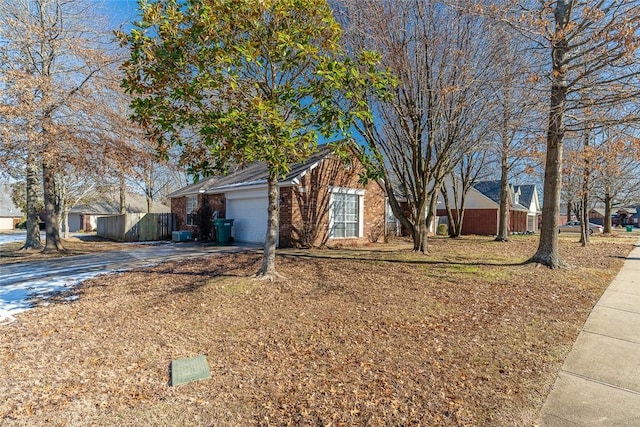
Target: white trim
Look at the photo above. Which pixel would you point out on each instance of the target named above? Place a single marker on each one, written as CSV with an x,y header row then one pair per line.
x,y
193,211
361,215
360,199
346,190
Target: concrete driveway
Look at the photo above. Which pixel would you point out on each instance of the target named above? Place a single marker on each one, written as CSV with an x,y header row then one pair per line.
x,y
21,284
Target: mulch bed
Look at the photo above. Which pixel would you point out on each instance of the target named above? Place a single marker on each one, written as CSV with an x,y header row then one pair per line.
x,y
466,335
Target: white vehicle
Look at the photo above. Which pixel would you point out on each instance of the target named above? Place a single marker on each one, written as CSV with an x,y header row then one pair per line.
x,y
574,227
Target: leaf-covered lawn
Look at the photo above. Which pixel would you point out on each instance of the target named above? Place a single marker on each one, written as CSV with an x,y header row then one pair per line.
x,y
84,244
466,335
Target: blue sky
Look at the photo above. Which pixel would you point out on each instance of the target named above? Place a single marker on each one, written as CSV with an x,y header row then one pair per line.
x,y
119,11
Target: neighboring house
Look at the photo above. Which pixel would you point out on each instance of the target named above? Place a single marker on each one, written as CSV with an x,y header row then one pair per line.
x,y
596,216
321,203
395,228
619,216
10,215
627,216
527,196
84,217
482,208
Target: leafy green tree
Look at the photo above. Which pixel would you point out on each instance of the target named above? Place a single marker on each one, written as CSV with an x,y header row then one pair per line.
x,y
237,82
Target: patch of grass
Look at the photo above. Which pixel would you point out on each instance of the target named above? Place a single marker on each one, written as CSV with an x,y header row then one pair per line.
x,y
11,253
234,285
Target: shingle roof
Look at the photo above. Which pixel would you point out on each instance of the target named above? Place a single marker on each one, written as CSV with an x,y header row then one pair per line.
x,y
252,174
7,207
526,193
109,204
491,189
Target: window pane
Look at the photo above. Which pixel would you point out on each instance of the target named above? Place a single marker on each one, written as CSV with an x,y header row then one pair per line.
x,y
344,214
351,230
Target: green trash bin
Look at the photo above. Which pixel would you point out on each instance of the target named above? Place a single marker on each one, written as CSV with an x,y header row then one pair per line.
x,y
629,228
223,230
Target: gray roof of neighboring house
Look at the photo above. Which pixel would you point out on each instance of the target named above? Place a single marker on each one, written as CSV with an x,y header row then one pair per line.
x,y
7,207
491,189
109,204
526,193
252,174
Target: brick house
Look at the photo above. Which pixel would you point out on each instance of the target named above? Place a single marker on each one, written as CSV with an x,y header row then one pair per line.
x,y
321,201
482,208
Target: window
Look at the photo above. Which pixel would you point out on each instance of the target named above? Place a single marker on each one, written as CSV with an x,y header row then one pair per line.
x,y
345,214
192,208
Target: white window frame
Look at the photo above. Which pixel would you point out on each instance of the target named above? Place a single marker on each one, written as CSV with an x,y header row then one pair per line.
x,y
333,191
191,208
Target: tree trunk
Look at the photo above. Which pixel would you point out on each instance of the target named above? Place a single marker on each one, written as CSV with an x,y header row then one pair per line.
x,y
608,201
268,269
123,196
584,222
420,233
63,209
450,219
548,249
584,226
503,225
53,242
65,220
33,228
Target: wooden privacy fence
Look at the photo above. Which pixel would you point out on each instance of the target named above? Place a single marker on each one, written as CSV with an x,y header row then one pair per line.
x,y
137,227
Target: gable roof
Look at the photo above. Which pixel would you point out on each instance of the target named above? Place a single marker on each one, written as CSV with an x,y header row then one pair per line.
x,y
109,204
7,207
253,174
527,192
491,189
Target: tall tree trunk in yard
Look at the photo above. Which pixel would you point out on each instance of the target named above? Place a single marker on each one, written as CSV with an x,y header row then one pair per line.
x,y
268,269
607,212
584,226
503,226
32,182
53,242
548,248
420,231
123,196
450,219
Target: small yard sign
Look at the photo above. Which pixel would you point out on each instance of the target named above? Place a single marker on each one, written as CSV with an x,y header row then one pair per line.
x,y
189,369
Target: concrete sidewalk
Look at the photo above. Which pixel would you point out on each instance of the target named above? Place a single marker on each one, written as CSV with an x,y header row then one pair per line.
x,y
599,384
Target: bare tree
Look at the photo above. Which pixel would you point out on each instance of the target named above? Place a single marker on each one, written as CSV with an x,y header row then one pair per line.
x,y
593,52
54,58
513,112
417,135
616,178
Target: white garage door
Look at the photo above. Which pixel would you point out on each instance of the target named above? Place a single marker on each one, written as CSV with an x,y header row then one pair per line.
x,y
250,217
6,223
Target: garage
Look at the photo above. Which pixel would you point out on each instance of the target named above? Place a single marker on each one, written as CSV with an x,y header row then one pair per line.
x,y
249,212
6,223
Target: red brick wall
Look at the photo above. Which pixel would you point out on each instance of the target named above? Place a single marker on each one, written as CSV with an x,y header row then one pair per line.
x,y
518,222
483,222
285,233
304,209
217,202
